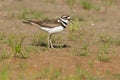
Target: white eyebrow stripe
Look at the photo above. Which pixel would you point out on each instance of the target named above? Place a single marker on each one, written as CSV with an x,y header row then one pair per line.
x,y
69,17
66,21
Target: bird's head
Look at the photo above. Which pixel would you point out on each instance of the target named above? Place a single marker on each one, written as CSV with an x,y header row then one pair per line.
x,y
66,18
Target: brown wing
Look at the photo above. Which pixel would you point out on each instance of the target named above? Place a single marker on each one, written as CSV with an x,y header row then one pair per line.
x,y
46,23
49,23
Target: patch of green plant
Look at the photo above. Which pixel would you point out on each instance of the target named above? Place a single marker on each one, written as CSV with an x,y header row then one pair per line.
x,y
23,55
10,40
78,18
83,51
75,25
40,39
104,48
2,36
117,76
96,8
29,49
76,37
103,52
58,38
80,74
15,43
116,41
17,48
105,42
50,73
103,57
4,54
22,65
86,4
106,39
4,73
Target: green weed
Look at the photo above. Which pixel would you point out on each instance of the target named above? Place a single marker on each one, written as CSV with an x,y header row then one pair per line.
x,y
116,41
57,39
103,57
22,65
108,40
117,76
17,48
2,36
4,74
89,5
103,54
75,26
104,47
83,51
40,39
80,74
5,55
10,40
75,37
15,43
86,4
23,55
49,73
36,49
96,8
105,39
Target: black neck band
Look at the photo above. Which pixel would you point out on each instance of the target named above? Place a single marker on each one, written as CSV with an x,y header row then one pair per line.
x,y
63,25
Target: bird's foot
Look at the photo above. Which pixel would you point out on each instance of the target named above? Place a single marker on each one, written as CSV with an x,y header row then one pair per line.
x,y
52,47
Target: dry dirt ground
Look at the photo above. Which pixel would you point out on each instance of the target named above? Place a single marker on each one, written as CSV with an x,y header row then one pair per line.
x,y
97,35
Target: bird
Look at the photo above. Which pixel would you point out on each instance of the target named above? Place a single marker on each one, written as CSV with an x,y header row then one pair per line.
x,y
51,26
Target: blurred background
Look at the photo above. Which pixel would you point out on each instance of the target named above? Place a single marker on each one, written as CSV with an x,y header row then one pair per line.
x,y
88,49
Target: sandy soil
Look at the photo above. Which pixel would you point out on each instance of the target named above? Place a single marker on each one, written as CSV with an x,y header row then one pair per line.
x,y
106,22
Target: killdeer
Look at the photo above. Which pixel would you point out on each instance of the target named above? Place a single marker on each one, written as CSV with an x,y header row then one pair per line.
x,y
51,26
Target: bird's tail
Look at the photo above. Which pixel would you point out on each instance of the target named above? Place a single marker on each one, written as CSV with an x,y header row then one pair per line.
x,y
36,23
29,22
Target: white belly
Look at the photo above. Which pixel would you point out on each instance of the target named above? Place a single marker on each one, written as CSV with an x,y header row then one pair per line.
x,y
53,30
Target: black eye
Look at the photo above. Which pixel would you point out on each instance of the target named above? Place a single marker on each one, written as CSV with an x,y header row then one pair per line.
x,y
66,17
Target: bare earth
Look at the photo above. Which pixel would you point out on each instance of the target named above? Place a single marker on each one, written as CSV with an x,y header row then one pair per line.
x,y
104,22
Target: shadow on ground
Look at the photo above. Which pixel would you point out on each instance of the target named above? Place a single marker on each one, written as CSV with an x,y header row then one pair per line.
x,y
42,44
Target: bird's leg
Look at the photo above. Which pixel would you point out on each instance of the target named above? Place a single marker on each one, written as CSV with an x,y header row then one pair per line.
x,y
51,42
